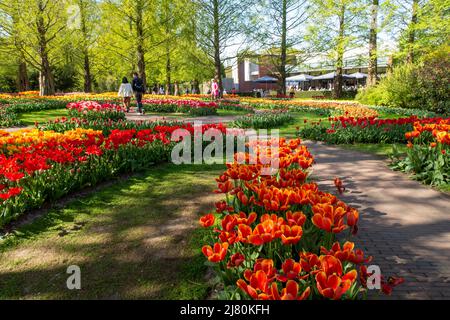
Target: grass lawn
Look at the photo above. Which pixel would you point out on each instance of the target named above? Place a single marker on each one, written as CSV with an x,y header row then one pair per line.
x,y
136,239
222,112
380,149
42,116
290,130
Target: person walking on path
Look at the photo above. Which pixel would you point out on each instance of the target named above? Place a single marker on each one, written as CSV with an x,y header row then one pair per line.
x,y
214,89
126,92
139,90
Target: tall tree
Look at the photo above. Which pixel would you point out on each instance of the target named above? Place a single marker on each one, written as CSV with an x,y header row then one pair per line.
x,y
412,31
9,43
373,48
132,21
86,18
338,27
39,25
220,23
427,28
279,32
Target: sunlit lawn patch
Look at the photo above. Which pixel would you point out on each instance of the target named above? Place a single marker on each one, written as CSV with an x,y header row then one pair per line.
x,y
42,116
137,239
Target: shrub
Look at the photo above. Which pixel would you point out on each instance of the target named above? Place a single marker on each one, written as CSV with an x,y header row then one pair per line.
x,y
424,86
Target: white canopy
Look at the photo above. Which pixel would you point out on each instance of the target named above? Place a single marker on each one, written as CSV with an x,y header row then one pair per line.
x,y
358,75
329,76
300,78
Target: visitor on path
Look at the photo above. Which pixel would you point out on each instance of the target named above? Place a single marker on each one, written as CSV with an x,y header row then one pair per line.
x,y
292,92
126,92
214,89
139,90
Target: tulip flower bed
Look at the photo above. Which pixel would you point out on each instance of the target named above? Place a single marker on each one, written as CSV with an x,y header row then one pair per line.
x,y
106,126
8,118
234,105
35,105
192,107
276,237
92,110
325,108
37,166
264,120
428,153
404,112
347,130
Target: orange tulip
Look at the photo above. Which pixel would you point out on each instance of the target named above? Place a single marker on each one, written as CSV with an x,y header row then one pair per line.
x,y
236,260
224,187
329,280
217,253
352,217
329,218
347,253
264,232
222,206
290,292
291,271
207,221
309,261
291,235
258,287
339,185
333,286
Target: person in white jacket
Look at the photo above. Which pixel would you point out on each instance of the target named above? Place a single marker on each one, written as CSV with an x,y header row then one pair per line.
x,y
126,92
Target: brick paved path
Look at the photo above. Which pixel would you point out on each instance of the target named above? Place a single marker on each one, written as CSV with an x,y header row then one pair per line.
x,y
404,224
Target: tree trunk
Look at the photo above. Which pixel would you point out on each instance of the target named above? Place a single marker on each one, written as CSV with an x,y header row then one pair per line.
x,y
195,86
140,42
87,74
87,65
217,61
389,67
23,83
373,50
168,61
168,71
338,80
46,82
283,48
412,32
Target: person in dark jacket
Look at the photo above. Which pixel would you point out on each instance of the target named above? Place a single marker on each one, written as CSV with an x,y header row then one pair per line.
x,y
139,90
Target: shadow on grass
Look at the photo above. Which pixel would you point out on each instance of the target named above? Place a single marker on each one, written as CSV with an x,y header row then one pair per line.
x,y
139,240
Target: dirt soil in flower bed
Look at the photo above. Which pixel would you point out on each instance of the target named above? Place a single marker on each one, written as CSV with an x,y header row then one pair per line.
x,y
133,239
